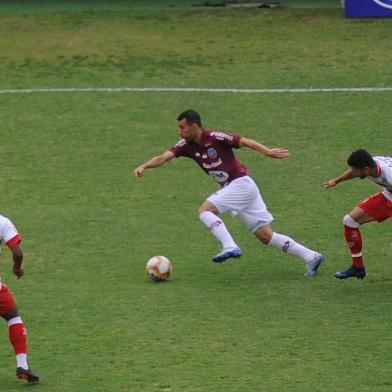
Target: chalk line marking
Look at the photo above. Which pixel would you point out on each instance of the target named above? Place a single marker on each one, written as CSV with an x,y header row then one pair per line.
x,y
196,90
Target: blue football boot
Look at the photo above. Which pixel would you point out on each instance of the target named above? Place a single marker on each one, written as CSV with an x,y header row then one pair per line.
x,y
314,264
227,254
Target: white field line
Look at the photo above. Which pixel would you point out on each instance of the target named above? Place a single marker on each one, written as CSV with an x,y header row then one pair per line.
x,y
195,90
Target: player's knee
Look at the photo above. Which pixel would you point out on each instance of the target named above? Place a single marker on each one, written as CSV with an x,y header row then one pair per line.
x,y
265,239
350,222
264,236
203,209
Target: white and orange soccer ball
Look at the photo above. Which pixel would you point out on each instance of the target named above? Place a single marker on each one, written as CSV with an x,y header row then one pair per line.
x,y
159,268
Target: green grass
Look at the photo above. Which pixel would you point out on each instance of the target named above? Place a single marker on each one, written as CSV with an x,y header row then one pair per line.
x,y
95,321
275,48
27,6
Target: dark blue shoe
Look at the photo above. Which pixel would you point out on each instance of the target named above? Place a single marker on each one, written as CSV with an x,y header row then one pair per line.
x,y
352,272
227,254
314,265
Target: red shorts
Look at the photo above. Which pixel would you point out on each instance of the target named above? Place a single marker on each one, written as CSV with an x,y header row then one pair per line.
x,y
377,206
7,300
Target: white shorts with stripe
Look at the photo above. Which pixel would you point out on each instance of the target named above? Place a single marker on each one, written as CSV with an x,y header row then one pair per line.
x,y
242,197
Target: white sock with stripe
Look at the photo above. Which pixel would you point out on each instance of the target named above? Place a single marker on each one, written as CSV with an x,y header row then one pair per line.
x,y
218,229
287,244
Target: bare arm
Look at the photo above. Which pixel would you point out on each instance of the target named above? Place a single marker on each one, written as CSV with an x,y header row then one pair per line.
x,y
154,162
17,256
278,153
347,175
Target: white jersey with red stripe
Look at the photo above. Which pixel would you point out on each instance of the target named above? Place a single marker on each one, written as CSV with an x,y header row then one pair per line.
x,y
384,175
8,233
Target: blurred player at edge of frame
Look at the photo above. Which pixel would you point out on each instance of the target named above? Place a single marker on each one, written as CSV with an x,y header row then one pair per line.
x,y
8,310
377,207
239,195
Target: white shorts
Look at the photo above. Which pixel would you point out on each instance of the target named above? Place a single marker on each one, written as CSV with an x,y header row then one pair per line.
x,y
242,197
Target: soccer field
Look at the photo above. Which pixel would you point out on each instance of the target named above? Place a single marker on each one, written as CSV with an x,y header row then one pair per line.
x,y
95,321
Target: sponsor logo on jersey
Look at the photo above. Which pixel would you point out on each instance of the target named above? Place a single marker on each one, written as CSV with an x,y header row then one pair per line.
x,y
212,153
222,136
384,3
213,164
219,176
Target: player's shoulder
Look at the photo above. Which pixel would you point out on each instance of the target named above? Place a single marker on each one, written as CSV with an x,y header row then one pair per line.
x,y
4,219
181,143
384,163
5,223
219,135
383,160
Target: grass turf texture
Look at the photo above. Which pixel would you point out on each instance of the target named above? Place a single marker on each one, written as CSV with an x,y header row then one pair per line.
x,y
273,48
95,321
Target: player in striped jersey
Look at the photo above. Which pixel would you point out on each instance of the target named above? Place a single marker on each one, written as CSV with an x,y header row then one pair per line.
x,y
377,207
8,310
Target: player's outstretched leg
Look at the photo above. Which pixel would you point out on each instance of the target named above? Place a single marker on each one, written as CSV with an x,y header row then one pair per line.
x,y
312,259
217,227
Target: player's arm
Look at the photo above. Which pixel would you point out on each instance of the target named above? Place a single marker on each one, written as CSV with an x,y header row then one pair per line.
x,y
17,256
347,175
154,162
278,153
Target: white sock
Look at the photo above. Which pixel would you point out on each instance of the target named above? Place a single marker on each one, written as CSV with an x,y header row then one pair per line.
x,y
218,229
15,320
21,361
287,244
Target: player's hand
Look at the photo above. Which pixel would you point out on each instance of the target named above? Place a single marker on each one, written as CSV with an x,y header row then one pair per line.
x,y
138,172
278,153
17,271
330,184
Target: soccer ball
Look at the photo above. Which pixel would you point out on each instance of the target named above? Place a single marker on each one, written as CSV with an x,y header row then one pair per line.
x,y
159,268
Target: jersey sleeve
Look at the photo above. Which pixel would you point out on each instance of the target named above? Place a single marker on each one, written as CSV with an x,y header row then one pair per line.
x,y
179,149
9,234
229,139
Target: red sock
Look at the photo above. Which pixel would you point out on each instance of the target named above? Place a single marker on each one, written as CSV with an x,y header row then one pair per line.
x,y
18,338
354,242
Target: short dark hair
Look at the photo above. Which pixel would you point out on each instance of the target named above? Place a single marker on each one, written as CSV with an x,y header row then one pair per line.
x,y
191,117
360,159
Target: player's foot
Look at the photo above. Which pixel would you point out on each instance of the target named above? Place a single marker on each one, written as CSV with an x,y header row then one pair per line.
x,y
227,254
27,374
314,264
352,272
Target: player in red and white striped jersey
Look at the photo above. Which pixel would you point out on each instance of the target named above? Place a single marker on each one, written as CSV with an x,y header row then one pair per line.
x,y
8,310
375,208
